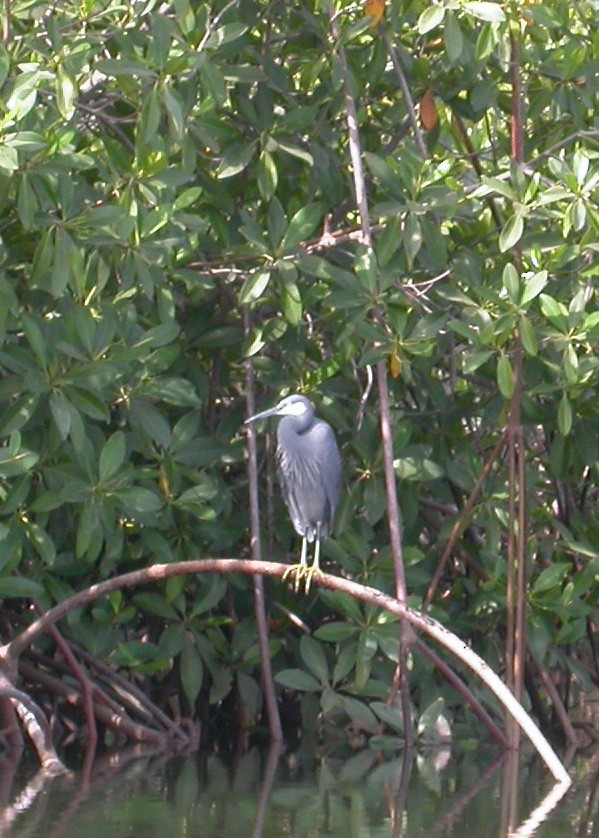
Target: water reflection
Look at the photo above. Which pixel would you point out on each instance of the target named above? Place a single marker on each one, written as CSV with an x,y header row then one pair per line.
x,y
309,793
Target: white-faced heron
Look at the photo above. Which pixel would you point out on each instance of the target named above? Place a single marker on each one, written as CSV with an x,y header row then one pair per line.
x,y
309,467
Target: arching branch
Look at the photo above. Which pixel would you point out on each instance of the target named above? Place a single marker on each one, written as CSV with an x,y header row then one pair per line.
x,y
10,651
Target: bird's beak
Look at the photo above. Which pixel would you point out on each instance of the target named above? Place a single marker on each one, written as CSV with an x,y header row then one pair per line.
x,y
272,411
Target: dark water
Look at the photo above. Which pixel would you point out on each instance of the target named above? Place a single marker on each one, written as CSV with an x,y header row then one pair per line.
x,y
311,793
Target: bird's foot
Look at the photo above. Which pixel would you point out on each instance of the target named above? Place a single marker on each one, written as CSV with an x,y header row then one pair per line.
x,y
301,574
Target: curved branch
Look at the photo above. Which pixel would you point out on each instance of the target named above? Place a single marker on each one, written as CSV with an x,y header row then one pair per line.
x,y
10,651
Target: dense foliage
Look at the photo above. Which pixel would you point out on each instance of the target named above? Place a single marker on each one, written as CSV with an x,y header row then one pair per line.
x,y
164,167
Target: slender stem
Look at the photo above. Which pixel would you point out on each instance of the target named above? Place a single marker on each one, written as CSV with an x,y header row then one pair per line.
x,y
355,147
87,686
272,708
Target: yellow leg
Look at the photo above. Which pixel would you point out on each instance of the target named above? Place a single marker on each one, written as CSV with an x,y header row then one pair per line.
x,y
301,572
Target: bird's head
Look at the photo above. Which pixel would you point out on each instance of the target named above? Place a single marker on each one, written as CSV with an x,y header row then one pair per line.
x,y
298,406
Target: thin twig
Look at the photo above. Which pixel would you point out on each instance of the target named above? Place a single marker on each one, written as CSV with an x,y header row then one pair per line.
x,y
461,521
401,78
214,23
558,706
474,157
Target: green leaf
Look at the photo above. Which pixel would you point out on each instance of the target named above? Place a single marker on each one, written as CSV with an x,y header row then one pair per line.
x,y
122,67
112,456
235,159
529,337
389,715
564,415
225,35
35,339
176,391
217,590
291,303
361,715
314,657
88,403
18,414
66,92
41,541
138,500
147,417
511,232
554,310
417,468
155,604
454,41
552,577
511,282
295,679
302,224
192,670
61,413
13,465
268,176
88,527
491,12
429,18
254,287
505,377
533,286
13,586
334,632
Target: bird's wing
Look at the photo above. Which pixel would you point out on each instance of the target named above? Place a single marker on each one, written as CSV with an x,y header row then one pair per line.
x,y
309,468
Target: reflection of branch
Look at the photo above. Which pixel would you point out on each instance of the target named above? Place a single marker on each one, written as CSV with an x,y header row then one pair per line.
x,y
460,687
10,651
36,725
457,810
274,754
541,813
23,802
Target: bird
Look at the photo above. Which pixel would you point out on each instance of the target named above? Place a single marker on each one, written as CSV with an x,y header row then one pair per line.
x,y
310,474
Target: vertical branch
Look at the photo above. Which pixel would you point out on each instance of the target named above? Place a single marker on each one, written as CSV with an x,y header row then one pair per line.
x,y
272,709
6,23
516,583
355,146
